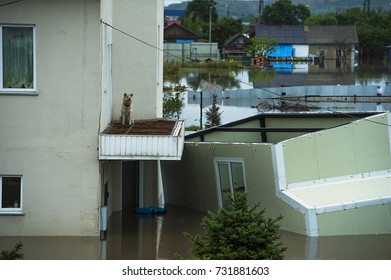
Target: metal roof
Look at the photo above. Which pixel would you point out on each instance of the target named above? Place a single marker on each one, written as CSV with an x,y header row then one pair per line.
x,y
331,34
316,34
284,34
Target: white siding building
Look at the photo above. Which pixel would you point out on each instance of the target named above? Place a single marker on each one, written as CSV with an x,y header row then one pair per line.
x,y
75,61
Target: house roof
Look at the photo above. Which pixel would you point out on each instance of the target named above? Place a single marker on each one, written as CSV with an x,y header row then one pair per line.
x,y
284,34
331,34
240,125
175,31
233,39
298,34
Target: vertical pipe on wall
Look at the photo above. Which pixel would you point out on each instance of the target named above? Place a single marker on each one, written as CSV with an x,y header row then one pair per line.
x,y
141,185
160,190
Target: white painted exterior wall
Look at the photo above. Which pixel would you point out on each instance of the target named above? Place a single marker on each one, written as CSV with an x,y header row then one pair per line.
x,y
136,64
51,138
301,50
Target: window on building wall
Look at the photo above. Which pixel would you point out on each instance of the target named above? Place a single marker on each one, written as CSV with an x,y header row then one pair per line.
x,y
17,57
10,193
229,175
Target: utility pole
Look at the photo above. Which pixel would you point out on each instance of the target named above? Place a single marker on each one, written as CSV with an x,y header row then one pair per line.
x,y
367,6
260,9
210,32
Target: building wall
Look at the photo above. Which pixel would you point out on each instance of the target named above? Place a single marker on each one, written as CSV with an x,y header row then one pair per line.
x,y
331,51
300,50
192,182
137,60
182,52
318,155
51,138
364,220
282,50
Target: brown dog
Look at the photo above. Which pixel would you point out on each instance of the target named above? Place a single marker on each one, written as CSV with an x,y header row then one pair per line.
x,y
127,109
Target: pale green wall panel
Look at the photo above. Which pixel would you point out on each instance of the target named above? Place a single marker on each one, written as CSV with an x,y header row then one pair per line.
x,y
335,155
300,163
350,149
365,220
192,181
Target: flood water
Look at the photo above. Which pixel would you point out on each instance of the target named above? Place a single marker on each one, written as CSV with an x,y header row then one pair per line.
x,y
161,237
131,236
285,75
153,237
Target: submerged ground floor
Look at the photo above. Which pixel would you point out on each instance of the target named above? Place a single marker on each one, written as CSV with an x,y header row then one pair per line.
x,y
133,237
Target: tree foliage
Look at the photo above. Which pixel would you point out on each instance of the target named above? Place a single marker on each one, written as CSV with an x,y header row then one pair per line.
x,y
261,46
373,29
213,114
196,15
240,232
172,101
225,28
321,20
14,254
284,12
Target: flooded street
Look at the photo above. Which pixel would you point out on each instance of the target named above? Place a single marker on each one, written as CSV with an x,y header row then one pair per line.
x,y
161,237
148,237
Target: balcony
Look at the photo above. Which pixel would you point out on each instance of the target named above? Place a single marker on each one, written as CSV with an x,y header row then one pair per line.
x,y
157,139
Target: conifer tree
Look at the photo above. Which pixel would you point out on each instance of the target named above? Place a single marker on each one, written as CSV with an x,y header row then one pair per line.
x,y
240,232
14,254
213,116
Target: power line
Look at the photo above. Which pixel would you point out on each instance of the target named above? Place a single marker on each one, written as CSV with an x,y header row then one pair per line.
x,y
10,3
277,94
141,41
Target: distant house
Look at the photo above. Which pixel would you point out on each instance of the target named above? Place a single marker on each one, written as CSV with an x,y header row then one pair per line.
x,y
291,40
234,46
176,33
182,44
334,42
292,164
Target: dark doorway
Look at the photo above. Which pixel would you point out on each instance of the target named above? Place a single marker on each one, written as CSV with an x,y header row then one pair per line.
x,y
130,184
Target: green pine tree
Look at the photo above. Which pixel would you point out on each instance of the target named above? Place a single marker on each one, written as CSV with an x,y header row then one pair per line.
x,y
14,254
213,116
240,232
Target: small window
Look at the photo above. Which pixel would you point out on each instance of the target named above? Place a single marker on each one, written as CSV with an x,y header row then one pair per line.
x,y
229,175
17,57
10,193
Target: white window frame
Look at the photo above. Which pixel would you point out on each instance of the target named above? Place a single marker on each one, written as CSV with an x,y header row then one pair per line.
x,y
18,90
227,160
11,210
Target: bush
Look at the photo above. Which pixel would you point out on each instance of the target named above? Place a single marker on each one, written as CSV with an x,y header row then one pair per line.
x,y
240,232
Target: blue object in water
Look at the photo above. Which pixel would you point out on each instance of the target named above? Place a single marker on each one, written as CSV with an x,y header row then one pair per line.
x,y
158,210
148,211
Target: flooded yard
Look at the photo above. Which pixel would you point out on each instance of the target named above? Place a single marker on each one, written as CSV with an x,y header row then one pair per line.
x,y
149,237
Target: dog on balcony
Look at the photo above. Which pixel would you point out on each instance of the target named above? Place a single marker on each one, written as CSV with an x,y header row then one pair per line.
x,y
127,109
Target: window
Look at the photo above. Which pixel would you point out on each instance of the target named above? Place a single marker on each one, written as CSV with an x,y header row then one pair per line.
x,y
17,57
229,175
10,193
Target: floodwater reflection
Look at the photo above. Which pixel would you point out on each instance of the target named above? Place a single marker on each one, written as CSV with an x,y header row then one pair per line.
x,y
161,237
144,237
